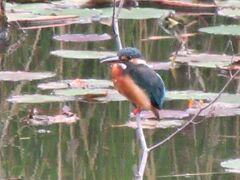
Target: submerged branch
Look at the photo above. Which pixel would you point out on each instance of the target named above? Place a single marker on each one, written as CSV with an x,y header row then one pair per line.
x,y
196,115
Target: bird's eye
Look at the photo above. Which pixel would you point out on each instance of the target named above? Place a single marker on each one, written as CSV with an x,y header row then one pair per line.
x,y
124,58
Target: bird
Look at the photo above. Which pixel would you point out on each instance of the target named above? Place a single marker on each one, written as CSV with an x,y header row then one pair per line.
x,y
134,79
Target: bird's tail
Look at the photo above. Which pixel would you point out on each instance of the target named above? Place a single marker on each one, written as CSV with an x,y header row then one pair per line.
x,y
156,112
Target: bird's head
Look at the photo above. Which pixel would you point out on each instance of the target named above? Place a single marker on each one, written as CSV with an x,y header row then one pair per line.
x,y
123,56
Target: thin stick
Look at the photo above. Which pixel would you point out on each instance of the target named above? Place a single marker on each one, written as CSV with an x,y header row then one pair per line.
x,y
115,23
144,155
193,174
194,117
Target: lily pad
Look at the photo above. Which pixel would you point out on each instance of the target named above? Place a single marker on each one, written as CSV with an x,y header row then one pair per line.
x,y
77,83
153,124
186,95
82,37
166,114
138,13
154,38
162,65
47,9
89,93
38,98
23,75
46,21
112,95
85,13
218,109
82,54
232,30
206,60
41,120
232,165
235,65
229,12
228,4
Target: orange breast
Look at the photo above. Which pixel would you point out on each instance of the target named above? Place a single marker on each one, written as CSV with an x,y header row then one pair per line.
x,y
127,87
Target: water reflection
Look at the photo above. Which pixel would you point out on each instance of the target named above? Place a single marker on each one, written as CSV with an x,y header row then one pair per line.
x,y
92,148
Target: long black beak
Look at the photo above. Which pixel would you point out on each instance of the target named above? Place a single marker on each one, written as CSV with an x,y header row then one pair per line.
x,y
110,59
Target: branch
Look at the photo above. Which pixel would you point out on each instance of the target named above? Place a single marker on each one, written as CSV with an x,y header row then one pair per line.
x,y
144,155
195,116
115,26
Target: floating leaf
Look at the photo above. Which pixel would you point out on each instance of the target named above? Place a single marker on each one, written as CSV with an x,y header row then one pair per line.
x,y
162,65
229,12
153,38
233,66
233,30
206,60
38,98
41,120
91,93
138,13
48,9
82,37
80,83
218,109
23,75
153,124
228,4
82,54
232,165
186,95
184,6
112,95
46,21
165,114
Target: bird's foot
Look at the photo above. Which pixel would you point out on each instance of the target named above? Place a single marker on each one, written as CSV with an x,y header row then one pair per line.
x,y
136,111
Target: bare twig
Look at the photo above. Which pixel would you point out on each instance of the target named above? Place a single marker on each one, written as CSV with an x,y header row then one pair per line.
x,y
115,23
194,117
144,154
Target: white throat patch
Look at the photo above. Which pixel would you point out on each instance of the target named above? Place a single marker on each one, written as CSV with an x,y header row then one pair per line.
x,y
123,66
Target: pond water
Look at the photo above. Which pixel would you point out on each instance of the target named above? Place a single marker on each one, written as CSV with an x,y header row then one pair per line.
x,y
91,148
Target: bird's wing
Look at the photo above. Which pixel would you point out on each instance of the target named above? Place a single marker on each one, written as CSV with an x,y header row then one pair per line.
x,y
150,81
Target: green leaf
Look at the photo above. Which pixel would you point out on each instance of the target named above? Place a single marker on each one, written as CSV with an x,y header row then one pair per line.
x,y
229,12
228,3
233,30
232,165
153,124
47,9
23,75
82,54
197,95
38,98
138,13
81,92
80,83
82,37
206,60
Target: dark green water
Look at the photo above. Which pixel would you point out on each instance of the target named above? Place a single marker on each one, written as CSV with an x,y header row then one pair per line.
x,y
91,148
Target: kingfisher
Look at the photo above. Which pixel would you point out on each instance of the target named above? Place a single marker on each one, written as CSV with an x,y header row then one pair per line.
x,y
134,79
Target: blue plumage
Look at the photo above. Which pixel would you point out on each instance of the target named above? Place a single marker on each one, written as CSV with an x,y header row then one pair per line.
x,y
133,78
149,81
